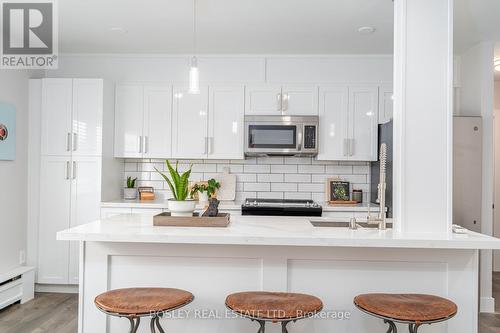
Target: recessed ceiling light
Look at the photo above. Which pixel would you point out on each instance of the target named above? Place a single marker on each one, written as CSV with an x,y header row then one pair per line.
x,y
497,64
119,30
366,30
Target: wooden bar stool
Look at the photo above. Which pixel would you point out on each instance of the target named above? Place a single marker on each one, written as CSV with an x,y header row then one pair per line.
x,y
274,307
412,309
134,303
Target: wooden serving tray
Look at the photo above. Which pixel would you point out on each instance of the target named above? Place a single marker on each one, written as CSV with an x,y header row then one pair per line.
x,y
165,220
341,202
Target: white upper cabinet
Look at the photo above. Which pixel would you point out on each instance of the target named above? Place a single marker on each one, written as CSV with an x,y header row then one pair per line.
x,y
143,121
226,123
190,124
157,122
333,122
299,100
263,100
129,121
348,123
363,120
56,117
87,117
386,104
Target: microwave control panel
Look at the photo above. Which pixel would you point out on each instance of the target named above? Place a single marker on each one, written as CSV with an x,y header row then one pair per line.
x,y
309,137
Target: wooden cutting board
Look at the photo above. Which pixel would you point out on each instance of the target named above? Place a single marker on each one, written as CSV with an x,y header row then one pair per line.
x,y
166,220
227,190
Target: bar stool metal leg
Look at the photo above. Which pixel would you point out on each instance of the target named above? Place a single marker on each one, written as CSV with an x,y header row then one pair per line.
x,y
413,328
262,328
134,325
158,325
152,324
392,327
283,326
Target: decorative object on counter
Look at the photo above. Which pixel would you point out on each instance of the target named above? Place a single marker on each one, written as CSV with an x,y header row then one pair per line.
x,y
7,132
165,219
130,193
227,190
205,190
338,191
213,208
146,193
179,205
357,195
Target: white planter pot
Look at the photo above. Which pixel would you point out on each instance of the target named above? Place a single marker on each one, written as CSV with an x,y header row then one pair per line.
x,y
203,197
181,208
130,193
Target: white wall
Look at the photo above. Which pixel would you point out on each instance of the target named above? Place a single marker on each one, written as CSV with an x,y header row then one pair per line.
x,y
13,174
476,99
496,215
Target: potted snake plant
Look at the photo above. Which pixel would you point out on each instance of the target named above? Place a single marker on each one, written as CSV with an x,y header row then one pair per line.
x,y
130,193
180,204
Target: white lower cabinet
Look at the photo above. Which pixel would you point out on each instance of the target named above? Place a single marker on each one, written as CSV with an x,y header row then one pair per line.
x,y
348,117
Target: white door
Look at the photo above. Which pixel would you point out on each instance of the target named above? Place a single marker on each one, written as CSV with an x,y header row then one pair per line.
x,y
300,100
157,122
263,100
386,104
225,124
87,117
129,109
189,125
85,202
363,123
56,117
55,194
333,122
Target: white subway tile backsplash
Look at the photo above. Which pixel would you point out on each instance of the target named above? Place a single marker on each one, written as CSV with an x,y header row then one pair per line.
x,y
290,168
263,177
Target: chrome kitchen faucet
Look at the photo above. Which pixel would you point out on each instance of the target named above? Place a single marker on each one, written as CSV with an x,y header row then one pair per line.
x,y
381,218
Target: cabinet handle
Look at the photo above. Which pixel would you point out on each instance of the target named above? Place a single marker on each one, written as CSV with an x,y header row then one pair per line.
x,y
140,144
210,145
74,170
146,144
67,170
285,102
278,101
351,147
75,141
68,142
346,147
205,152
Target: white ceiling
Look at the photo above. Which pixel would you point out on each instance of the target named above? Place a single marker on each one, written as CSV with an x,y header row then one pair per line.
x,y
252,26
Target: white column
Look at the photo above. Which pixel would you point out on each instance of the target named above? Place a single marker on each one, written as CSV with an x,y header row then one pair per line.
x,y
423,109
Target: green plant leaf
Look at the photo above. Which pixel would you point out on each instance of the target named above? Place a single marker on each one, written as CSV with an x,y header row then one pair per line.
x,y
183,184
168,182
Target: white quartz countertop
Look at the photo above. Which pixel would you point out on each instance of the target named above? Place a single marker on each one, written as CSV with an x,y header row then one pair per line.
x,y
226,205
269,231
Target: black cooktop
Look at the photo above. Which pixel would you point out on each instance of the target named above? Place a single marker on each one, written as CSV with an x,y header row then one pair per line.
x,y
281,207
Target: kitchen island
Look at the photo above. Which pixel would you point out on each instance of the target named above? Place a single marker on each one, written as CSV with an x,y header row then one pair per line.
x,y
278,254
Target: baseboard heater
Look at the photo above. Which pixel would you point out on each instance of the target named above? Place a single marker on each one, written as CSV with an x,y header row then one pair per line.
x,y
16,286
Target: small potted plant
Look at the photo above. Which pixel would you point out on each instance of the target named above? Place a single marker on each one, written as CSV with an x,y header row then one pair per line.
x,y
180,204
130,193
205,191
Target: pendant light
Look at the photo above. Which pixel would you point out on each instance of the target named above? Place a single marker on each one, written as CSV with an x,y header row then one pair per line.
x,y
194,74
497,64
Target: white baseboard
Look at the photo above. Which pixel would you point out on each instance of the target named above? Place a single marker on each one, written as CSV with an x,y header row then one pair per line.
x,y
17,285
487,305
56,288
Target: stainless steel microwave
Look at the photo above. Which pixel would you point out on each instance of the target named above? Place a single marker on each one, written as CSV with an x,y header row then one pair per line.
x,y
281,135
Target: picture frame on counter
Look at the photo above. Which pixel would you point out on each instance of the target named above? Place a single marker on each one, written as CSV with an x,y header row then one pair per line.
x,y
337,190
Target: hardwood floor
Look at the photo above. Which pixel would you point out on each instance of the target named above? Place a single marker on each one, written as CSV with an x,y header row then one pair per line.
x,y
57,313
48,312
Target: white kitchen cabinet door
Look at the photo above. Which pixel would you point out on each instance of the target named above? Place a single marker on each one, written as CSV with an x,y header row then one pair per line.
x,y
85,202
129,110
189,124
87,117
225,124
386,104
263,100
55,194
363,120
157,122
300,100
334,123
56,117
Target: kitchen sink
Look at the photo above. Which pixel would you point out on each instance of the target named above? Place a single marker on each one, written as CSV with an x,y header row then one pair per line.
x,y
342,224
